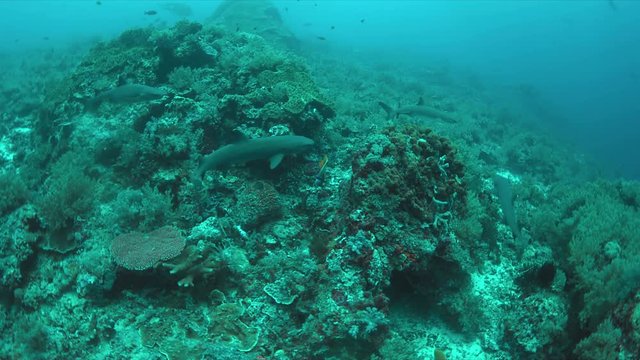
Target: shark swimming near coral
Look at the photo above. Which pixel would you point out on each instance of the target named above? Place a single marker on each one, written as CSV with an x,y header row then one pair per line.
x,y
127,94
419,109
272,147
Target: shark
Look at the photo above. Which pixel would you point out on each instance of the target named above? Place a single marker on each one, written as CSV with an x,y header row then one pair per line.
x,y
504,191
419,109
273,148
128,94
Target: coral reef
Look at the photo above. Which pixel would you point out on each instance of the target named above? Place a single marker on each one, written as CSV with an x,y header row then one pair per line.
x,y
385,241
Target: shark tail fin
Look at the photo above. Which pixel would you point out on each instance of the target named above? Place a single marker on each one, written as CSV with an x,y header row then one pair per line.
x,y
390,112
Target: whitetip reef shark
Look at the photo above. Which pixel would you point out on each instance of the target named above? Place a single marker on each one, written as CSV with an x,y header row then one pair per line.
x,y
271,147
128,94
419,109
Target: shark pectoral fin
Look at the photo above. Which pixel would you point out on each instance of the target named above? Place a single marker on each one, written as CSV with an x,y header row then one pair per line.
x,y
275,160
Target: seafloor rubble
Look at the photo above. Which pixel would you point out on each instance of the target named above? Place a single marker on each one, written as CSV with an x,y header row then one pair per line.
x,y
385,241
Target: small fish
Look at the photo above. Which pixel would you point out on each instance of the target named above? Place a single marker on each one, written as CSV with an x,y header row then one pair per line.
x,y
322,164
98,2
45,38
362,21
150,12
439,354
321,38
333,27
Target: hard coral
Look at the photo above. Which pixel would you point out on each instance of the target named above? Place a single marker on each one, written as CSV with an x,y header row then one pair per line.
x,y
258,203
138,251
300,89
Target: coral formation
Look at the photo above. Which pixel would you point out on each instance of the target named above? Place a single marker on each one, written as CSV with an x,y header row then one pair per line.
x,y
384,241
409,175
138,251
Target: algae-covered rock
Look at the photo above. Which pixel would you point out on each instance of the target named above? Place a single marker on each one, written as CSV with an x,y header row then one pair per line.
x,y
225,324
189,334
176,337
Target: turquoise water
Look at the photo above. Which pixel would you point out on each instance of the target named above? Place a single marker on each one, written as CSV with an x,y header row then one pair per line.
x,y
319,180
581,57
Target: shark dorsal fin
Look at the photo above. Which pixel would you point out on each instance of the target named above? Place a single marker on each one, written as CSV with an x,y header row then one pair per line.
x,y
420,101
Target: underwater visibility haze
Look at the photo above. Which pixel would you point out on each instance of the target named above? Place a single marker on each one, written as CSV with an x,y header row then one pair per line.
x,y
320,180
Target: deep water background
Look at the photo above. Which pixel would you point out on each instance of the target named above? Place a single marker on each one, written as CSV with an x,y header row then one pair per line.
x,y
579,61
